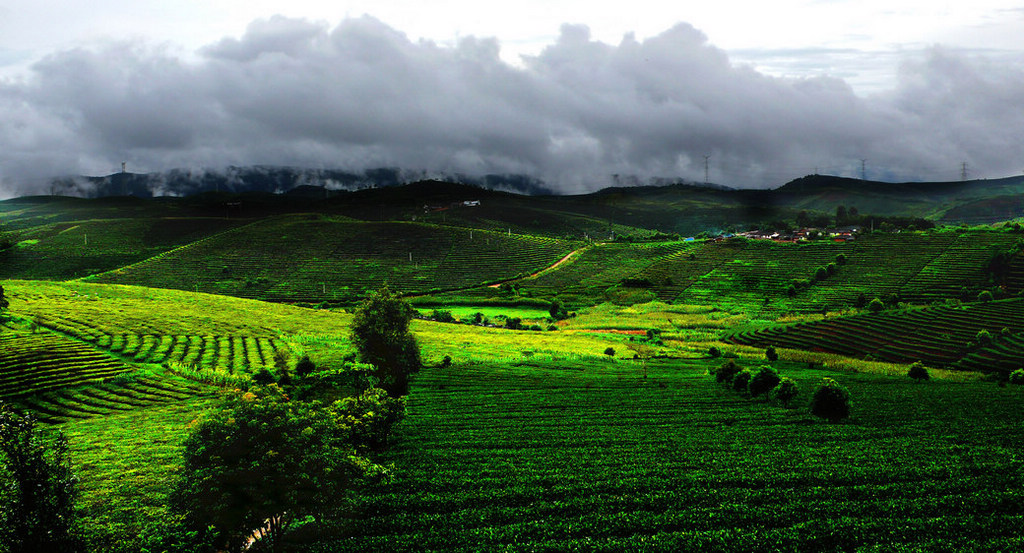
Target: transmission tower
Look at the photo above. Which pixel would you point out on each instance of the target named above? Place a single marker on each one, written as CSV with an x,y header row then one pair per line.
x,y
863,169
706,157
963,171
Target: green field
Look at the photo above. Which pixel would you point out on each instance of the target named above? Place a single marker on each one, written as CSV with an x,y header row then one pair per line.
x,y
604,430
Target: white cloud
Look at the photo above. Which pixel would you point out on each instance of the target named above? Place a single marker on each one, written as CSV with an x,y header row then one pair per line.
x,y
363,94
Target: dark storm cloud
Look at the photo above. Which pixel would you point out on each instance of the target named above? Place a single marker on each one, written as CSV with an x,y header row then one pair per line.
x,y
362,95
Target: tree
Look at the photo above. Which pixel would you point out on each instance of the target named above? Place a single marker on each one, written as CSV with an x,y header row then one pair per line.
x,y
262,461
609,351
304,367
830,401
786,391
876,306
985,295
770,354
841,215
763,381
918,372
37,489
1017,377
741,381
557,310
714,352
380,332
726,372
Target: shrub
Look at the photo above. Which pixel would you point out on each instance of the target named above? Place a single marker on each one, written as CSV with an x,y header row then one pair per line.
x,y
983,337
741,381
442,316
447,361
263,377
876,306
830,401
770,354
304,367
820,273
1017,377
841,259
726,371
786,391
763,381
714,352
918,372
610,351
985,295
861,300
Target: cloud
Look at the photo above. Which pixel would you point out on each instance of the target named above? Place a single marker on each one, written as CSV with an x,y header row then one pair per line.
x,y
362,94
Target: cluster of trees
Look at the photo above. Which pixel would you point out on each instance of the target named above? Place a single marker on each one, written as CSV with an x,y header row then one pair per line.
x,y
830,401
279,454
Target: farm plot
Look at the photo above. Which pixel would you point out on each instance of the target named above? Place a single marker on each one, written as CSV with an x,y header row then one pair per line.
x,y
961,265
81,248
938,335
34,363
124,393
597,458
314,258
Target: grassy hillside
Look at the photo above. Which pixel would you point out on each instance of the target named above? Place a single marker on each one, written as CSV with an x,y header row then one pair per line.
x,y
313,258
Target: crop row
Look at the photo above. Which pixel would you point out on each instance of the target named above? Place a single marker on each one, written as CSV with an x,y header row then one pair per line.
x,y
278,260
939,335
31,363
602,459
122,394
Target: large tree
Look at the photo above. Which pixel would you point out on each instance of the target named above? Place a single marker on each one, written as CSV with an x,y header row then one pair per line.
x,y
380,331
263,461
37,488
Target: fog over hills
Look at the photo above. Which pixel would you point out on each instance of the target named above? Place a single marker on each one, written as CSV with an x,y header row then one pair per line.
x,y
361,95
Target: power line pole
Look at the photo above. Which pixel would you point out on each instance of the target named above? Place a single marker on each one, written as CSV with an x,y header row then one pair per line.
x,y
863,169
963,171
706,157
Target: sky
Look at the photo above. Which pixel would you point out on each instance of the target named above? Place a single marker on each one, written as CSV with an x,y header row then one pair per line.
x,y
747,94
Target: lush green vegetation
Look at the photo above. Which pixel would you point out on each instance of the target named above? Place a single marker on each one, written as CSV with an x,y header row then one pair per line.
x,y
584,382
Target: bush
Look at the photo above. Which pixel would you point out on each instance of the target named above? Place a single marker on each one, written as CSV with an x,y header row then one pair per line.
x,y
985,296
763,381
876,306
983,337
918,372
830,401
263,377
820,273
447,361
610,352
442,316
726,371
771,355
714,352
1017,377
741,381
304,367
786,391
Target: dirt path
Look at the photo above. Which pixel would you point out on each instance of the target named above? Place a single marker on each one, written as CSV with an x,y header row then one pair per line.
x,y
544,270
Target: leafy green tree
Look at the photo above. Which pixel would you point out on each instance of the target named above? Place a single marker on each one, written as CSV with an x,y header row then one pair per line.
x,y
557,310
714,352
380,332
918,372
786,391
820,273
1017,377
304,367
770,354
262,461
726,372
985,295
442,316
741,381
876,306
609,351
763,381
830,401
263,377
37,489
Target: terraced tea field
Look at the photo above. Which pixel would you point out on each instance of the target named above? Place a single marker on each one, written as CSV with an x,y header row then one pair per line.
x,y
313,258
938,335
32,363
594,457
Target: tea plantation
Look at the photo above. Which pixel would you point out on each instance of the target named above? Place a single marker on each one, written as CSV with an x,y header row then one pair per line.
x,y
568,399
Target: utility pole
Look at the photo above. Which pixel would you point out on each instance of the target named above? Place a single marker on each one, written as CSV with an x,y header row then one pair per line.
x,y
706,157
963,171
